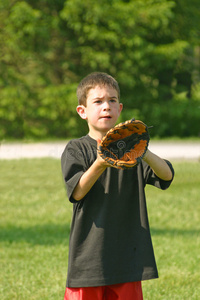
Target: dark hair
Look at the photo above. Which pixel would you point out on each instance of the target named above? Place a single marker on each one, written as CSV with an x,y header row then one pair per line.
x,y
91,81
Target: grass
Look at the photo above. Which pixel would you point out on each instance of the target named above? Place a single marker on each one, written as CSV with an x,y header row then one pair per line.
x,y
35,220
35,223
174,218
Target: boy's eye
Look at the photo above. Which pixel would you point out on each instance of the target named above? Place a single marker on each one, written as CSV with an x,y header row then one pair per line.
x,y
99,101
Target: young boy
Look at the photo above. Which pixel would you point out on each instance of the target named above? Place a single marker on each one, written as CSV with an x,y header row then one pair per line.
x,y
110,249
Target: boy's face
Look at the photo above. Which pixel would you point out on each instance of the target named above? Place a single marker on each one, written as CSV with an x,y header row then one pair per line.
x,y
102,110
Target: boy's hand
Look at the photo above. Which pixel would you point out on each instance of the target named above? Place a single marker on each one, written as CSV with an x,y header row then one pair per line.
x,y
100,160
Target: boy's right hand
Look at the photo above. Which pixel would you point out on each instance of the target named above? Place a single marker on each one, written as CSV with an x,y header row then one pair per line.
x,y
100,160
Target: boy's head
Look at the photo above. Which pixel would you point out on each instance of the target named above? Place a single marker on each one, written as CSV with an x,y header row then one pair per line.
x,y
93,80
98,95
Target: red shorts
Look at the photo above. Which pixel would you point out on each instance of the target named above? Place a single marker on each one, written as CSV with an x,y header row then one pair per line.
x,y
122,291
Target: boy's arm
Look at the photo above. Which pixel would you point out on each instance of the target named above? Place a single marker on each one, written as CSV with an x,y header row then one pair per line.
x,y
159,166
89,178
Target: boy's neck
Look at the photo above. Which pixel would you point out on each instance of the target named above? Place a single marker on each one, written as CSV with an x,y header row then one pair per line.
x,y
96,135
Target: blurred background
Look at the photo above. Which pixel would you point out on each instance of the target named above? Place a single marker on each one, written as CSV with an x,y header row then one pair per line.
x,y
152,48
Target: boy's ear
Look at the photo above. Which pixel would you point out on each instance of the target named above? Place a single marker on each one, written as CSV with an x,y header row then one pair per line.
x,y
81,111
120,107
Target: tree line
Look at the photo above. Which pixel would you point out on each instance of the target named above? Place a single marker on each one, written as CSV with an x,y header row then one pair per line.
x,y
47,46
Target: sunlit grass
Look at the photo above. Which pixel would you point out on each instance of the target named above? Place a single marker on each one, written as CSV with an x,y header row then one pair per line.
x,y
174,217
35,223
35,220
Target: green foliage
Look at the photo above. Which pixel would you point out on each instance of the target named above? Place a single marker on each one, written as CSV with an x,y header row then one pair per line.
x,y
46,47
51,112
181,119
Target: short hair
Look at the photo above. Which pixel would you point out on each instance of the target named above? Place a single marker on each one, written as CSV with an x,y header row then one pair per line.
x,y
91,81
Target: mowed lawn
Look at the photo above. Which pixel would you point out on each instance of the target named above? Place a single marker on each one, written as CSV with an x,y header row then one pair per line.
x,y
35,224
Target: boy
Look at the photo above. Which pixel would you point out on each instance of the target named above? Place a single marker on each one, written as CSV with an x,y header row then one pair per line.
x,y
110,250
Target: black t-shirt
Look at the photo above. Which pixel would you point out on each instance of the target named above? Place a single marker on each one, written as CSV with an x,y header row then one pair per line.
x,y
110,239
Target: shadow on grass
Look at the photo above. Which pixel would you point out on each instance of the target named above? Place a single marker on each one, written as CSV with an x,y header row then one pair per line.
x,y
175,232
48,234
53,234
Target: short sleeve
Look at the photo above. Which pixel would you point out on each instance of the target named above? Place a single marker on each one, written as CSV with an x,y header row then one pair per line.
x,y
73,167
151,178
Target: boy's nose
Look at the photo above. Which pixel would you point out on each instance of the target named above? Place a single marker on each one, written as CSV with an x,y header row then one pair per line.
x,y
106,106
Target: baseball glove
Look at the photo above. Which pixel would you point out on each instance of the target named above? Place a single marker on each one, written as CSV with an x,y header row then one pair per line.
x,y
125,145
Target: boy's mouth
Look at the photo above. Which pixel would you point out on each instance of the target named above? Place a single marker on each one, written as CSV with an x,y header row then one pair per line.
x,y
106,117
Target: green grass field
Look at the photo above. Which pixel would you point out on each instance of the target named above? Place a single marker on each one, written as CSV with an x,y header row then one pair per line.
x,y
35,223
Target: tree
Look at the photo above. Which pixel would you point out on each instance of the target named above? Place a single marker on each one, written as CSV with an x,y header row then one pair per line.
x,y
47,46
129,39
